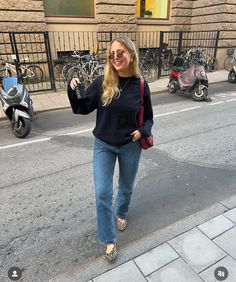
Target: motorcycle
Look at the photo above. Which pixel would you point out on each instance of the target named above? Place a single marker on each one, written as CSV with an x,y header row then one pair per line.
x,y
232,75
17,105
191,80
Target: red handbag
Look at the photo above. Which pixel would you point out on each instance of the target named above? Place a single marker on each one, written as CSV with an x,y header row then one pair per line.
x,y
145,142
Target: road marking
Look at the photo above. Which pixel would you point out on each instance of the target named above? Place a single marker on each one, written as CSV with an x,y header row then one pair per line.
x,y
25,143
216,103
176,112
231,100
79,132
165,114
189,109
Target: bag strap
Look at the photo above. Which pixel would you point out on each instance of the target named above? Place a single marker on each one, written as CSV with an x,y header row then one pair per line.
x,y
142,89
141,111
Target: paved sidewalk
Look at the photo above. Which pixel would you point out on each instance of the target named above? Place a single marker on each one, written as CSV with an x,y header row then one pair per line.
x,y
47,101
189,250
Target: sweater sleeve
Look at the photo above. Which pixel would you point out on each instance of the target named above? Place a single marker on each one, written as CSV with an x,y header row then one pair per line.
x,y
145,130
89,102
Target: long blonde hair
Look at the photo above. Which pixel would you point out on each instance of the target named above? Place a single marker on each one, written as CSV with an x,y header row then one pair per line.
x,y
111,78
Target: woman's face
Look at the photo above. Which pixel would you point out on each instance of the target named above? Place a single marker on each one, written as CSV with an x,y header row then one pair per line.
x,y
120,59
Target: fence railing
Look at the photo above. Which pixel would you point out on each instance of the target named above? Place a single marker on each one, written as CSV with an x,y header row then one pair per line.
x,y
47,49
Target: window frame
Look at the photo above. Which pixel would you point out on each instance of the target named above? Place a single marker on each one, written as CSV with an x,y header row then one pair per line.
x,y
72,16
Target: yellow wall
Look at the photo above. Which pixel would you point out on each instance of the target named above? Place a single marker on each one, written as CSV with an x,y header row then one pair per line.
x,y
158,8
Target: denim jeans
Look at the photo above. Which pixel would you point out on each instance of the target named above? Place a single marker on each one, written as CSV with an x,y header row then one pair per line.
x,y
104,159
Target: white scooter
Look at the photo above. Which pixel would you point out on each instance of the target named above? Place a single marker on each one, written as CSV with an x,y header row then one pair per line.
x,y
17,105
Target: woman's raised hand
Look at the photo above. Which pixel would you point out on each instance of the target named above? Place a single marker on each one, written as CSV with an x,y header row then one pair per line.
x,y
74,82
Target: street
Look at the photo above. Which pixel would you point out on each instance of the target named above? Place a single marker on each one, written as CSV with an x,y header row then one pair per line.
x,y
47,204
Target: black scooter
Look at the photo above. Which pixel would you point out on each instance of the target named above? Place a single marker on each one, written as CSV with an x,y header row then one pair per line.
x,y
191,81
232,75
17,105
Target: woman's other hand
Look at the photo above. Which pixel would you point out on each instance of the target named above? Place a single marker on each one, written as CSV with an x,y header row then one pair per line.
x,y
73,83
135,135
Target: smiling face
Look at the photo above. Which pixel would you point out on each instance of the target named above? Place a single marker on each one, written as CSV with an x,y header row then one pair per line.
x,y
120,58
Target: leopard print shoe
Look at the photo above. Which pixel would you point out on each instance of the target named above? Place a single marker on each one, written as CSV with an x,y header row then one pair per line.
x,y
112,254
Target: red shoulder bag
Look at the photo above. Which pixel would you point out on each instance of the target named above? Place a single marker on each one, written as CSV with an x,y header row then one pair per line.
x,y
145,142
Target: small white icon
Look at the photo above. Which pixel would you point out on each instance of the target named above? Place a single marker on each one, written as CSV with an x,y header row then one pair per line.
x,y
14,273
221,273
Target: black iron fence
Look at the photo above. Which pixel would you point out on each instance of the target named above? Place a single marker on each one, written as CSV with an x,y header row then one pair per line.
x,y
28,56
40,56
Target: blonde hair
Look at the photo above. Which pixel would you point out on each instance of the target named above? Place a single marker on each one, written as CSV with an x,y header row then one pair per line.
x,y
111,78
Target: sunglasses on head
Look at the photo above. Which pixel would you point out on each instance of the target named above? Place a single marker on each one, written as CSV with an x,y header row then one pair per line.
x,y
119,55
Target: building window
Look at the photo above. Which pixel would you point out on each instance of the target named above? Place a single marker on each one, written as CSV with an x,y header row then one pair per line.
x,y
73,8
153,9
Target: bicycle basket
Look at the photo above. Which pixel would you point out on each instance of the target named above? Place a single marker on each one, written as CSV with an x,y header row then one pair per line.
x,y
230,51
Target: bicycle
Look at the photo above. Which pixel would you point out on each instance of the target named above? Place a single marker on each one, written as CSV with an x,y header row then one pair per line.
x,y
148,63
211,63
86,69
230,60
30,74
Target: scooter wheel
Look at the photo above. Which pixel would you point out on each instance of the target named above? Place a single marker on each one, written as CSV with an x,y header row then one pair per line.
x,y
172,86
21,128
232,76
199,93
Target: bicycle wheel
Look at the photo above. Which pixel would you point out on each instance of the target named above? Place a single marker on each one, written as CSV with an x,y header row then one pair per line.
x,y
65,70
5,73
73,72
166,64
57,69
229,63
97,72
33,74
213,65
149,72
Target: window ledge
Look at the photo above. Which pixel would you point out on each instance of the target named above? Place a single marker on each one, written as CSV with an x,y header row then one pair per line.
x,y
151,21
69,20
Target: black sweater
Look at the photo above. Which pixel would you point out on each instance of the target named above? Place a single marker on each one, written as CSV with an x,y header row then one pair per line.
x,y
116,121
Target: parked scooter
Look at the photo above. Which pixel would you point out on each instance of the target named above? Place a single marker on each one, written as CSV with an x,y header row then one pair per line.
x,y
17,105
191,81
232,75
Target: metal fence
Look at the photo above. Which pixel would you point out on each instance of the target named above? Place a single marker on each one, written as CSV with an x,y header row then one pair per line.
x,y
47,49
180,41
27,55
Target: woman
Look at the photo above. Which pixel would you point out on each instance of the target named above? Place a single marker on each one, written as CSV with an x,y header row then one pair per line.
x,y
116,97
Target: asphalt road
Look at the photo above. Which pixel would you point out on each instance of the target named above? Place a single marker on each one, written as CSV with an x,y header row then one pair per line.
x,y
47,199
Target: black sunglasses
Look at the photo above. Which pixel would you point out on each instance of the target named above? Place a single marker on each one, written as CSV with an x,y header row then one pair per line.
x,y
119,55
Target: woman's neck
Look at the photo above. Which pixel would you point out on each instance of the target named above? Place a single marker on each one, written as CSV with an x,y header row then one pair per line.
x,y
124,74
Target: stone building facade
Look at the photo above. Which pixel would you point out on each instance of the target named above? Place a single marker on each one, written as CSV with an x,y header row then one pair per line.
x,y
118,14
22,15
206,15
121,16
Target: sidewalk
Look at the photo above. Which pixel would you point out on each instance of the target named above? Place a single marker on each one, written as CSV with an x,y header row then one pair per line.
x,y
189,250
46,101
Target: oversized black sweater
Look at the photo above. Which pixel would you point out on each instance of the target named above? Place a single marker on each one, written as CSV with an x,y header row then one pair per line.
x,y
115,122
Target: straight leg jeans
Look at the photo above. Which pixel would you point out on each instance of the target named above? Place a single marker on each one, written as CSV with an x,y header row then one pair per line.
x,y
104,159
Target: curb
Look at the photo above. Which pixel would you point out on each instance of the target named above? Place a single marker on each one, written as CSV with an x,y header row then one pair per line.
x,y
95,267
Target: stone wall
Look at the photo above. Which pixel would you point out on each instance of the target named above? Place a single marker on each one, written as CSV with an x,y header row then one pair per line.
x,y
22,15
116,15
210,15
181,15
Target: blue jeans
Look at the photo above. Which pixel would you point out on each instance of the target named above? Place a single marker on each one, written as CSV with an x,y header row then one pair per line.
x,y
104,159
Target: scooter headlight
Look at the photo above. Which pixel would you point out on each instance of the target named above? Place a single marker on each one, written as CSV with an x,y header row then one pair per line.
x,y
202,73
